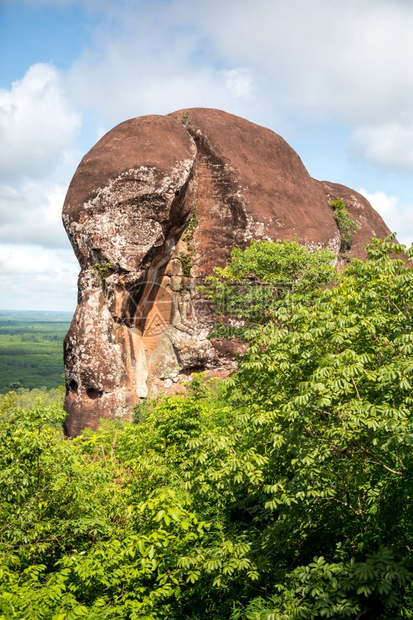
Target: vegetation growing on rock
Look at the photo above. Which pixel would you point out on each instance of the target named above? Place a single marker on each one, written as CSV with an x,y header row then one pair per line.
x,y
187,257
101,271
346,225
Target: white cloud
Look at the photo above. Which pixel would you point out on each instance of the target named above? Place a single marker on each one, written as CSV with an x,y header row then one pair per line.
x,y
398,219
389,145
32,278
150,61
157,87
342,61
239,82
327,60
37,128
350,59
37,124
30,213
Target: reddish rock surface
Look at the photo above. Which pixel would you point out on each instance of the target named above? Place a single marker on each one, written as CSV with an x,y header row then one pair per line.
x,y
152,208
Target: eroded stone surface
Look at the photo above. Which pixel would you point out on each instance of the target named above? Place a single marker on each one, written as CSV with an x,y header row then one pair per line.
x,y
152,208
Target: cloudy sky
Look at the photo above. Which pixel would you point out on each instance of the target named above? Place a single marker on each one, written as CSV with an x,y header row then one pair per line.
x,y
334,78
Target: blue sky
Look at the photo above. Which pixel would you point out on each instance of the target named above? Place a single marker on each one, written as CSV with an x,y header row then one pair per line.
x,y
334,79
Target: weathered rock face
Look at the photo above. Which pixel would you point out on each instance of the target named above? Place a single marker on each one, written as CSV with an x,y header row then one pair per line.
x,y
152,208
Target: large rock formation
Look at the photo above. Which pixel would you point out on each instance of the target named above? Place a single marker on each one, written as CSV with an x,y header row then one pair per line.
x,y
152,208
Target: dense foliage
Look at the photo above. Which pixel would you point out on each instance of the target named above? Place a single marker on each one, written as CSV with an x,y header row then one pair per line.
x,y
285,493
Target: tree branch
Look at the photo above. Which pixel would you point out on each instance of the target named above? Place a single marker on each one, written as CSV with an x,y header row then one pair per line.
x,y
355,387
379,461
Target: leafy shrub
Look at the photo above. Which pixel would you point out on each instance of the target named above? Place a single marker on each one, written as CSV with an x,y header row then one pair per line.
x,y
346,225
102,270
263,278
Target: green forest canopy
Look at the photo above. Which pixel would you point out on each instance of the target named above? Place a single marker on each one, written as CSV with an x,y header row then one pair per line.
x,y
284,493
31,351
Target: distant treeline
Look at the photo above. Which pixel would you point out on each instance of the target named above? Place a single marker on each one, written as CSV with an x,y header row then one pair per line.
x,y
31,349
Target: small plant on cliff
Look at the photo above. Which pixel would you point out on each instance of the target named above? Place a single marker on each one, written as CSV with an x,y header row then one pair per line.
x,y
190,228
186,258
345,224
186,263
192,224
183,119
102,271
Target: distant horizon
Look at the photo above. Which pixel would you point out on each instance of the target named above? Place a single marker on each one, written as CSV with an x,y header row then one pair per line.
x,y
6,310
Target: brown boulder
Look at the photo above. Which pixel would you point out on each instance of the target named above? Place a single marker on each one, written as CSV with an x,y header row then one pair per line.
x,y
152,208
